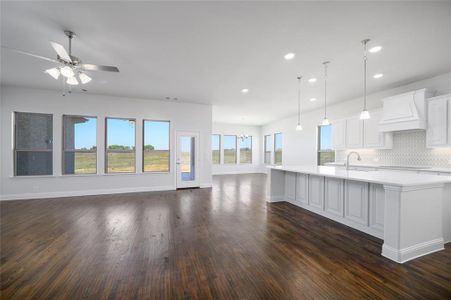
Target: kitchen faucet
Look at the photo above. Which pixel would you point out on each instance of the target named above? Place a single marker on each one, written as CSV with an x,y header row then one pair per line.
x,y
347,158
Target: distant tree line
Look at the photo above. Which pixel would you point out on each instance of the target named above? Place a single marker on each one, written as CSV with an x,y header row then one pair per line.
x,y
120,147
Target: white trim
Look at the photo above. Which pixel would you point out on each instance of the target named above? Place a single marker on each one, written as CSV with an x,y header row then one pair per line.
x,y
412,252
27,196
238,172
205,185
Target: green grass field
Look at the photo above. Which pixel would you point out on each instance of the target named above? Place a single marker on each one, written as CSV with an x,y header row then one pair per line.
x,y
154,161
121,162
326,157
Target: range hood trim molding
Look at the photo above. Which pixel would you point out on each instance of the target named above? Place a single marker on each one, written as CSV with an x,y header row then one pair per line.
x,y
405,111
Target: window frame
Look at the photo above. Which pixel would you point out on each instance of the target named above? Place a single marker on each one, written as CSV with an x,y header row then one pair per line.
x,y
274,145
236,149
75,150
247,163
265,150
220,144
143,144
15,149
319,150
117,151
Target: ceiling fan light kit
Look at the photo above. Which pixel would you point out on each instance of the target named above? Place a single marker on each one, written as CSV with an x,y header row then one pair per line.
x,y
70,66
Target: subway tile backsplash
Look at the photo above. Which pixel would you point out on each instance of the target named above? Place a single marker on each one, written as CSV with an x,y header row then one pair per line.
x,y
409,148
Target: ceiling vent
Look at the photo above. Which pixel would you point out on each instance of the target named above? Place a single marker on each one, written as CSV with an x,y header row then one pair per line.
x,y
405,111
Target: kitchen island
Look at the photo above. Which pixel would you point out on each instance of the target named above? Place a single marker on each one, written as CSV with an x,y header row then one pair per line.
x,y
409,211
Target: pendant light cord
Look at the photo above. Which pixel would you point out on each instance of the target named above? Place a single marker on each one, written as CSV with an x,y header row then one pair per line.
x,y
364,72
325,88
299,100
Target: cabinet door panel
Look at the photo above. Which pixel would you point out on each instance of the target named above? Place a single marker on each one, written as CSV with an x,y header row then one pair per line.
x,y
302,188
449,121
354,133
436,134
356,201
290,186
339,135
372,137
377,202
316,191
333,198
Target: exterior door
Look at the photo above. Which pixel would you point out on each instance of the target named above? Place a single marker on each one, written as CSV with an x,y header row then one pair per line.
x,y
187,159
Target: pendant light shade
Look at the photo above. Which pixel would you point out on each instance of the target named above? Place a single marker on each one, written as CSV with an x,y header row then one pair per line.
x,y
325,120
365,114
54,72
72,81
67,72
299,126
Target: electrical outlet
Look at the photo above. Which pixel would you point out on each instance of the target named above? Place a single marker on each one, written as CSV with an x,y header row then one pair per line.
x,y
376,159
449,162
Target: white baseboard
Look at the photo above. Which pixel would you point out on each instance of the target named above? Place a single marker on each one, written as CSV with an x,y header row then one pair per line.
x,y
271,199
26,196
238,172
205,185
412,252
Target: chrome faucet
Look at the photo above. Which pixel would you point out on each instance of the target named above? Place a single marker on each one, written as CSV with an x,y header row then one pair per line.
x,y
347,158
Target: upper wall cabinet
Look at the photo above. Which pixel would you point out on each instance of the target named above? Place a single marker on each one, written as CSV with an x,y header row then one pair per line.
x,y
439,128
339,135
372,137
354,133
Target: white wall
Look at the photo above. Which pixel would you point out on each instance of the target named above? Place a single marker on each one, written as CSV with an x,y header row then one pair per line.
x,y
299,148
232,129
183,116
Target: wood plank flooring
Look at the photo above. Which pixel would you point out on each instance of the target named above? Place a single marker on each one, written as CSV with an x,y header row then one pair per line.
x,y
219,243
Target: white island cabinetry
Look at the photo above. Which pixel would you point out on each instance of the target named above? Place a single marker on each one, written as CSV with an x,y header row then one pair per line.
x,y
407,210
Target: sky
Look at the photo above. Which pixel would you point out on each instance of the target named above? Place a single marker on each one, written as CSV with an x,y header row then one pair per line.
x,y
326,137
229,141
122,132
215,141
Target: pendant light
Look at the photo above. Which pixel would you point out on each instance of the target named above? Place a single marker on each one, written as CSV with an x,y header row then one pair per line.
x,y
299,126
365,114
325,120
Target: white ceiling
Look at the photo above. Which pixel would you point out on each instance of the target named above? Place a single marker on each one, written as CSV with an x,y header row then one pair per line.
x,y
206,52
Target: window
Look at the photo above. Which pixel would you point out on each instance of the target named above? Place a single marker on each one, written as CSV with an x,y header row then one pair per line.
x,y
33,144
156,146
216,148
278,148
230,149
120,146
268,149
79,145
246,150
325,152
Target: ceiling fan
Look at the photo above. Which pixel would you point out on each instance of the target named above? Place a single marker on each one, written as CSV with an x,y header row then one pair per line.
x,y
70,66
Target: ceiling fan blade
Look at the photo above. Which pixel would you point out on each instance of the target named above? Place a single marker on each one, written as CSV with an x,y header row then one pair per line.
x,y
90,67
30,54
61,51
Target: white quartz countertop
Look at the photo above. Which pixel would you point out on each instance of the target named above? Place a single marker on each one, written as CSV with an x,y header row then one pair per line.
x,y
401,167
386,177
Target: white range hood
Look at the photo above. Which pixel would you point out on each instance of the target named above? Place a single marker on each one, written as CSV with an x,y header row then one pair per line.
x,y
406,111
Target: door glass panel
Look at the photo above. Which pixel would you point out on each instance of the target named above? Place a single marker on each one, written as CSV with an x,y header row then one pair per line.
x,y
187,158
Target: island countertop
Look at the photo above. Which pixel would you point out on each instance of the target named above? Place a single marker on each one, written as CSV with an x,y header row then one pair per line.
x,y
385,177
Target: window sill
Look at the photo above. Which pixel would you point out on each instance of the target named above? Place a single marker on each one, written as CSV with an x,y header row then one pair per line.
x,y
86,175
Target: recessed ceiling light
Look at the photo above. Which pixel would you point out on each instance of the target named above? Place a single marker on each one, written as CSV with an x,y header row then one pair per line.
x,y
245,91
312,99
312,80
375,49
377,76
289,56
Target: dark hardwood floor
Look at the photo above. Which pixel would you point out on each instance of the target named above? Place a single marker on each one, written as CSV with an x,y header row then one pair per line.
x,y
219,243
